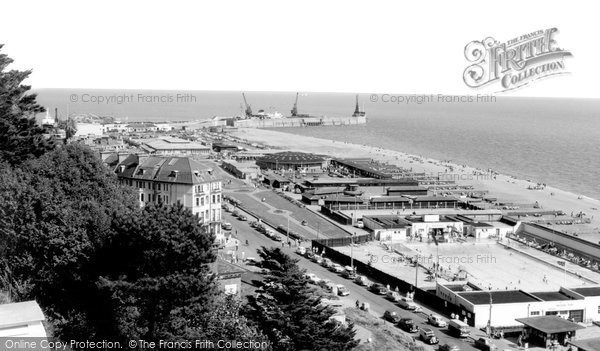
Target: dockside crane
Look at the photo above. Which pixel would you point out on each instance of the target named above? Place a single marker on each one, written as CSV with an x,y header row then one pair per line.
x,y
295,108
248,108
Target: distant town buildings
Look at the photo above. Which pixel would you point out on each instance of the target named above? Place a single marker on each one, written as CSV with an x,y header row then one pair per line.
x,y
176,180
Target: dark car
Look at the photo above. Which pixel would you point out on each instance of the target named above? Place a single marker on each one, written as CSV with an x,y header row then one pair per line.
x,y
391,316
348,274
241,217
448,347
485,344
309,254
408,325
378,289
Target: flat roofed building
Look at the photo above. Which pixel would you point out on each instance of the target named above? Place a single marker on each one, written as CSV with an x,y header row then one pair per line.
x,y
176,180
242,170
548,328
507,305
290,160
592,344
173,146
22,319
406,190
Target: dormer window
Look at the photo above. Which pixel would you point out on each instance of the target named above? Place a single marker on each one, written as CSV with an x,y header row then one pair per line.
x,y
173,174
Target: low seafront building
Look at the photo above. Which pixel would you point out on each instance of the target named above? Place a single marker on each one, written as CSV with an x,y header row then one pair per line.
x,y
176,180
242,170
291,160
581,305
173,146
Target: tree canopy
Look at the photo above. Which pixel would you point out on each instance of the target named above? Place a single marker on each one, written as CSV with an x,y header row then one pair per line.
x,y
21,138
289,312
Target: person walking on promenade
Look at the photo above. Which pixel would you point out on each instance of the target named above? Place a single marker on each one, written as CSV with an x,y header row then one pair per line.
x,y
357,304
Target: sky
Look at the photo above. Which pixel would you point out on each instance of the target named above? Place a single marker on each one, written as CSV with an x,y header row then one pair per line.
x,y
319,46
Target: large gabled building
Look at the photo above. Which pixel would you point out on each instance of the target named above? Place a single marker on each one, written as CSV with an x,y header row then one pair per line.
x,y
176,180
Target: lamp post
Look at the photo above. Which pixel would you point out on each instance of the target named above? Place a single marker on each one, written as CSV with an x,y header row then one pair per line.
x,y
489,323
352,252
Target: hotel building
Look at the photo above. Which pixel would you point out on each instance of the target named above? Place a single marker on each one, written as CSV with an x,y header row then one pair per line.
x,y
176,180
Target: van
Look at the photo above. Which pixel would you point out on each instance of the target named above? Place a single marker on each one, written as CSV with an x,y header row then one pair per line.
x,y
428,336
459,328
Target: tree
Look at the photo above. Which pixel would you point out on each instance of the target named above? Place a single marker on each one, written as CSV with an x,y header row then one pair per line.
x,y
155,280
21,138
56,211
289,313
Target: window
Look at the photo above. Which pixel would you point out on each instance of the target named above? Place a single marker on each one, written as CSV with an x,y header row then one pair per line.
x,y
142,197
202,201
535,313
197,201
214,198
158,186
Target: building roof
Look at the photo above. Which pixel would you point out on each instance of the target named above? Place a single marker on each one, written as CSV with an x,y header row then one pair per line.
x,y
379,199
12,314
551,296
588,291
181,170
498,297
406,188
389,221
171,143
587,344
224,268
549,324
291,157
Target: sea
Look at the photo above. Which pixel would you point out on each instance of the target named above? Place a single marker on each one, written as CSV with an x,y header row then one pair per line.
x,y
547,140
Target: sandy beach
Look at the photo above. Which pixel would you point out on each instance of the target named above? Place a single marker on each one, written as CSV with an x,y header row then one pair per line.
x,y
503,187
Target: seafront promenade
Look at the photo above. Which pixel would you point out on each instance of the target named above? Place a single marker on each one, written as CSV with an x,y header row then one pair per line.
x,y
503,187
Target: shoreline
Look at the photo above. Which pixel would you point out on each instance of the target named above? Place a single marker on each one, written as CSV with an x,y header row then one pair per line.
x,y
505,188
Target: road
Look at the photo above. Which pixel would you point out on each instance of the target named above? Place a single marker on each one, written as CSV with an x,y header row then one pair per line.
x,y
378,304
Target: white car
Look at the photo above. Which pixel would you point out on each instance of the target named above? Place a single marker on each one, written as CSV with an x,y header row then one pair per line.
x,y
407,304
436,321
336,267
312,277
342,290
359,224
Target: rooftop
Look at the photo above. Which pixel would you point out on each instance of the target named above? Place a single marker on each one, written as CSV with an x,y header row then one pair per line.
x,y
171,143
292,157
549,324
12,314
182,170
551,296
588,291
587,344
498,297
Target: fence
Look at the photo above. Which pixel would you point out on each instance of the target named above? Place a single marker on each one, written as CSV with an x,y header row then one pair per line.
x,y
427,298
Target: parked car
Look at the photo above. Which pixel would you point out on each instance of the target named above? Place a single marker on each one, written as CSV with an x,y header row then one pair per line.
x,y
226,226
448,347
342,290
253,224
277,238
348,273
242,217
359,224
485,344
326,263
336,267
407,304
408,325
378,289
393,296
436,321
312,278
361,280
324,283
391,316
428,336
309,254
235,213
459,328
317,259
251,261
301,250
